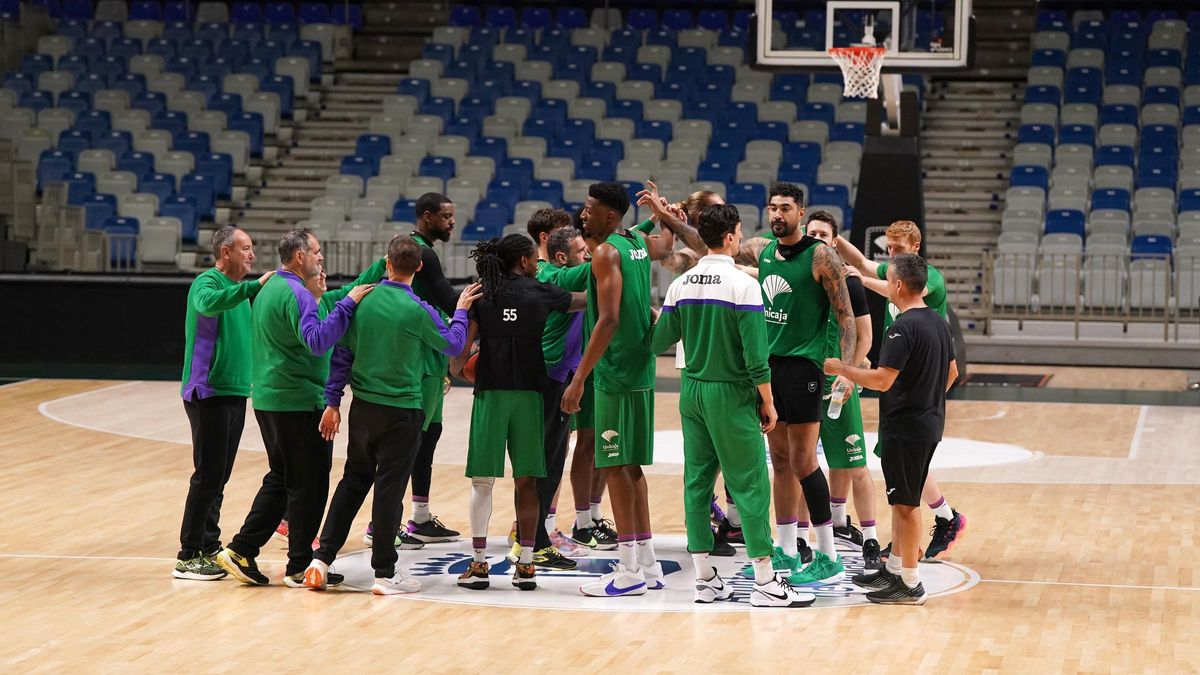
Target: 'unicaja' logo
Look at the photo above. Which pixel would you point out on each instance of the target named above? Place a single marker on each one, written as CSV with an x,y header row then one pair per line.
x,y
612,443
775,285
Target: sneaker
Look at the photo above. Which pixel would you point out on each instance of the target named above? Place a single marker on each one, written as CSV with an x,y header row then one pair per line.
x,y
397,584
871,557
242,568
806,552
282,530
898,593
715,514
475,577
298,579
314,576
886,552
619,582
849,533
514,554
605,533
711,590
654,577
822,570
779,593
369,537
431,531
945,534
550,558
584,536
780,562
732,534
522,577
200,568
874,581
721,546
567,546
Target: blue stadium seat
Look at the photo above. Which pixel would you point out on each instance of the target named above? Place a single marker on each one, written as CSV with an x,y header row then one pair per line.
x,y
1166,58
517,170
1043,94
802,153
77,102
1111,198
1065,221
605,91
464,15
404,209
137,163
1150,246
280,12
833,195
1157,175
802,173
1036,133
145,10
1053,20
661,37
413,86
1030,176
607,150
202,189
252,124
1114,155
848,131
721,172
220,166
363,167
467,127
630,110
161,185
1189,200
821,112
641,19
80,186
1048,57
97,209
1077,133
746,193
571,17
489,146
1083,93
501,17
677,19
528,89
1119,113
654,129
314,12
1168,95
246,12
340,17
438,167
569,148
595,170
169,120
1160,136
373,145
53,165
546,191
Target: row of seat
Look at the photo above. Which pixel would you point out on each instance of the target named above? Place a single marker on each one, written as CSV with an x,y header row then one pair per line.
x,y
184,10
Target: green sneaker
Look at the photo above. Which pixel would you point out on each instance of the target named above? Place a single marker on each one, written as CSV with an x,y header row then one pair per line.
x,y
822,570
780,561
200,568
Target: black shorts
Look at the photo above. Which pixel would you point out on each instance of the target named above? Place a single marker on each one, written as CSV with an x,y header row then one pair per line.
x,y
905,468
796,385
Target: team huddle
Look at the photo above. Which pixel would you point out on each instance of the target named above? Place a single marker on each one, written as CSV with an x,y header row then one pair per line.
x,y
771,334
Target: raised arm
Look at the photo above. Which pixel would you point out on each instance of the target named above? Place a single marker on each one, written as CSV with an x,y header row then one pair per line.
x,y
459,361
856,259
669,219
451,339
879,379
321,335
210,300
606,266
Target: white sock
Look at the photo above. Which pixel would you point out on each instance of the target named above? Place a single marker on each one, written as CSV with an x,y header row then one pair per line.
x,y
839,513
421,512
645,552
894,564
551,523
911,576
704,569
583,519
526,556
731,513
627,555
595,511
943,510
762,570
869,533
481,513
825,541
786,534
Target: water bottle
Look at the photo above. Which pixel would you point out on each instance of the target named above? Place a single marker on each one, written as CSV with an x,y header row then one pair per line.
x,y
836,399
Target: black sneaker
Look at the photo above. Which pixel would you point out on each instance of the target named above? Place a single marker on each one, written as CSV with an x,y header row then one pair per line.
x,y
732,534
242,568
550,558
870,553
849,533
945,534
886,552
721,546
407,542
898,593
431,531
297,580
874,581
806,554
584,536
523,576
605,533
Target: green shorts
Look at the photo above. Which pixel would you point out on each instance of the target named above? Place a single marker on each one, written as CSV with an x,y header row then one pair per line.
x,y
586,417
507,419
842,439
624,428
433,392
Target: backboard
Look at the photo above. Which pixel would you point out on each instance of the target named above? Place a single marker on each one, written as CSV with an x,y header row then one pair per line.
x,y
920,35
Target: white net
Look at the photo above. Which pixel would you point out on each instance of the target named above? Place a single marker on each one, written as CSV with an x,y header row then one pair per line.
x,y
860,69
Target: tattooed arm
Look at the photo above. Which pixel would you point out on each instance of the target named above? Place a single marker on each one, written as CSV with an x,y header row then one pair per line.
x,y
750,250
669,219
827,270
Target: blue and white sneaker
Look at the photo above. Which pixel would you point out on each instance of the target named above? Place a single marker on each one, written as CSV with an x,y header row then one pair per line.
x,y
619,582
654,577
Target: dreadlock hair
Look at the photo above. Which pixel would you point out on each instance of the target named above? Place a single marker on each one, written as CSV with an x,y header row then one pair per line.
x,y
495,257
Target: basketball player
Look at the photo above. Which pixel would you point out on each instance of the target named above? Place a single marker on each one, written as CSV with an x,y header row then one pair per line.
x,y
216,384
716,310
916,369
385,417
288,372
619,315
903,236
842,438
510,378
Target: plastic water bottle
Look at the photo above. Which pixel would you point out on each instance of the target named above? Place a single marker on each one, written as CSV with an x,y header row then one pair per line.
x,y
836,399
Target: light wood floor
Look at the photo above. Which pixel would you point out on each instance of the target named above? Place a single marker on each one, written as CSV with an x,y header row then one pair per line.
x,y
1084,572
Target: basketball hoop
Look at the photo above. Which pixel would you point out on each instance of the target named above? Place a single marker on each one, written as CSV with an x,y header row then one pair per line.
x,y
860,69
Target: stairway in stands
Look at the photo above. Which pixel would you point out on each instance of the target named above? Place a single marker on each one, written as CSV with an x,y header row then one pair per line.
x,y
968,132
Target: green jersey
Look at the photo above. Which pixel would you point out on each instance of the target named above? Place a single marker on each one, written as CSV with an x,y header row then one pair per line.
x,y
372,275
716,309
391,323
217,353
935,299
796,306
562,339
628,363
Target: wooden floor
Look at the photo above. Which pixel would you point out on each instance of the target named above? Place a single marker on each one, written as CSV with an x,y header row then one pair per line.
x,y
1087,556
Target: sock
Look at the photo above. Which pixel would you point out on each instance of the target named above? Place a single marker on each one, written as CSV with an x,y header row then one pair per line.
x,y
421,510
627,551
583,517
645,550
762,570
595,511
802,532
894,564
786,534
704,569
478,547
550,521
941,508
911,576
526,552
868,530
481,513
837,508
825,540
731,513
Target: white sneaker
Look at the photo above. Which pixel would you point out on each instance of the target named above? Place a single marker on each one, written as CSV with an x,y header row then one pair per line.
x,y
713,589
654,577
315,575
399,583
616,583
778,593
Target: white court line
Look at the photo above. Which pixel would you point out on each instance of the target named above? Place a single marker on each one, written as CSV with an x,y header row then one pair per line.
x,y
13,384
1136,442
51,416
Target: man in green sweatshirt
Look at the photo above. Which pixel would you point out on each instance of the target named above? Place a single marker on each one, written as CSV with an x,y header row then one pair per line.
x,y
216,384
290,342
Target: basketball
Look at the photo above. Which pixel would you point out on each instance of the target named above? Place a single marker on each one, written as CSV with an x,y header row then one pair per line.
x,y
469,369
